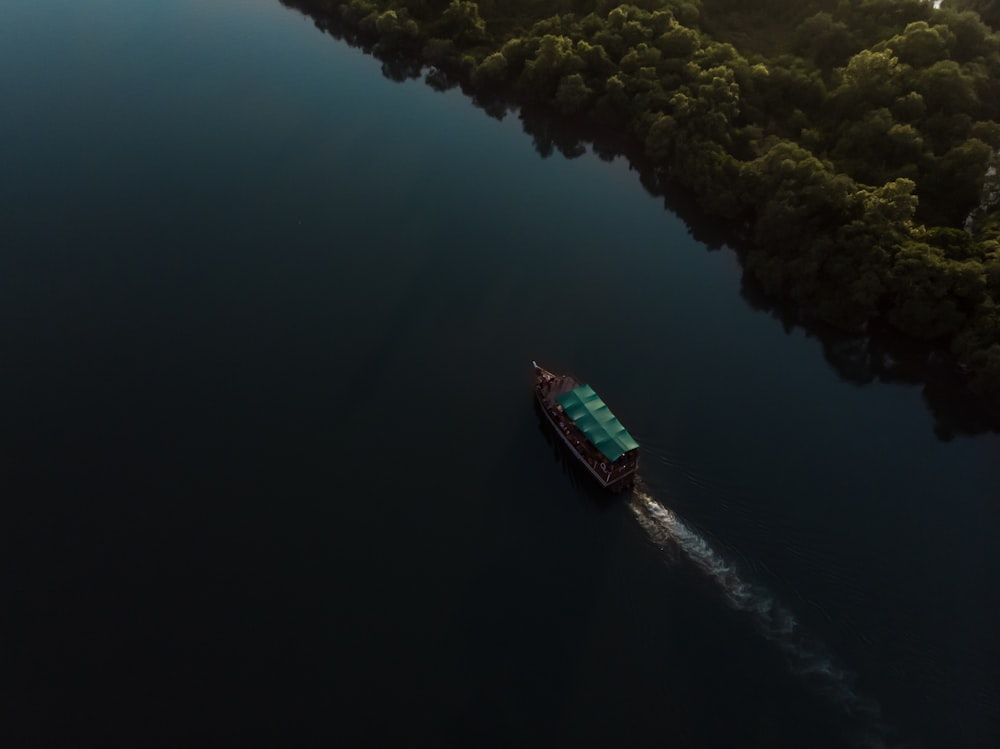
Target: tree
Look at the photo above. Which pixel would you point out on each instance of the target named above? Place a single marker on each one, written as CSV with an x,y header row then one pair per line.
x,y
823,40
461,21
572,94
660,139
491,71
987,10
796,197
955,181
932,290
396,29
945,87
678,43
921,45
871,79
554,59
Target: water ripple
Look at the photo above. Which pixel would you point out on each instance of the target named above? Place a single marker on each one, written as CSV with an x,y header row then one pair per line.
x,y
804,656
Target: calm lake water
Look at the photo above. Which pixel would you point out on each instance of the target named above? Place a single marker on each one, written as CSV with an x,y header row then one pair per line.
x,y
271,471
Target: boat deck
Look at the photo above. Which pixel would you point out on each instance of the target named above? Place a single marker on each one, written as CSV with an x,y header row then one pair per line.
x,y
549,387
552,390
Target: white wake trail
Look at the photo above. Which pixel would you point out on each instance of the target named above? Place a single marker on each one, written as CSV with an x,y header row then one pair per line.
x,y
776,623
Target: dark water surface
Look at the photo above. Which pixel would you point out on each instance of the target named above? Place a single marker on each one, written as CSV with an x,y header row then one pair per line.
x,y
270,470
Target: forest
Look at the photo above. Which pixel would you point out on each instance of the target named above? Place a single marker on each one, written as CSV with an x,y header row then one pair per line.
x,y
854,143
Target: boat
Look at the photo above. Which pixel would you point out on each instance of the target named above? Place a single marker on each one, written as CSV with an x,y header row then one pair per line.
x,y
588,428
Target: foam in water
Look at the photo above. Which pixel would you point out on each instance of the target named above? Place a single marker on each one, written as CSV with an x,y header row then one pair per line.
x,y
806,658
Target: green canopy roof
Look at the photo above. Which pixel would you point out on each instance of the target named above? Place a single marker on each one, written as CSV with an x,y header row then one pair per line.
x,y
595,420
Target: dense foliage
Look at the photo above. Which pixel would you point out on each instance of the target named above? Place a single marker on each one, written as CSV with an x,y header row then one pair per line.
x,y
856,140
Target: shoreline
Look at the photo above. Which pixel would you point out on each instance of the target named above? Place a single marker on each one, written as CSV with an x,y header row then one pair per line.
x,y
855,258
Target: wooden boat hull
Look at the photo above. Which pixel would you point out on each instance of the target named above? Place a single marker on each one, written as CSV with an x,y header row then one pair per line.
x,y
616,476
